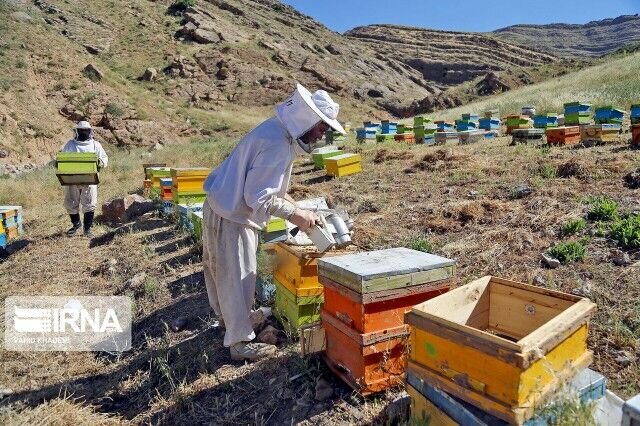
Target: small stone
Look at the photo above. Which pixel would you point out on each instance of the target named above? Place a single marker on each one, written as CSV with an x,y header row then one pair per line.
x,y
522,191
93,72
138,279
21,16
179,324
473,194
269,335
258,319
5,392
4,153
158,146
583,291
324,390
150,74
92,49
623,359
621,258
30,131
539,281
551,262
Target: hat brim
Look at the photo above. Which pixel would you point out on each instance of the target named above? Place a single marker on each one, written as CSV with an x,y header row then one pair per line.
x,y
306,95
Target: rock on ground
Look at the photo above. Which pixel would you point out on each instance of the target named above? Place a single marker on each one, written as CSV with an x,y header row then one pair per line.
x,y
120,210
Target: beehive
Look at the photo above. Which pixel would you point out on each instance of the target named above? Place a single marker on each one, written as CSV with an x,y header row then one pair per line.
x,y
385,137
430,402
517,122
425,132
545,121
444,126
389,127
609,115
635,135
343,165
187,185
166,189
490,123
526,135
147,166
599,134
635,114
500,345
369,363
465,125
320,154
577,113
421,120
563,135
470,136
295,311
444,137
157,173
3,240
77,168
185,214
408,138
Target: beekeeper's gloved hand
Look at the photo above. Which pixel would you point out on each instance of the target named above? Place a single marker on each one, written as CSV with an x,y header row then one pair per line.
x,y
303,219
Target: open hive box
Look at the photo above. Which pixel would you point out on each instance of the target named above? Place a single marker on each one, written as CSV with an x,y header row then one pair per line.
x,y
77,168
500,345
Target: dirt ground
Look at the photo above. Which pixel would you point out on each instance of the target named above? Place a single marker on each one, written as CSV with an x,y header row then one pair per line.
x,y
466,202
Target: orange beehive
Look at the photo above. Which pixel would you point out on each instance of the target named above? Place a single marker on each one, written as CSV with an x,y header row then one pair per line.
x,y
369,362
635,135
409,138
563,135
368,313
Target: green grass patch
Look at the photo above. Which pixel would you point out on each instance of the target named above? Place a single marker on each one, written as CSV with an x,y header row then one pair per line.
x,y
567,252
603,209
547,170
626,232
574,226
114,109
420,244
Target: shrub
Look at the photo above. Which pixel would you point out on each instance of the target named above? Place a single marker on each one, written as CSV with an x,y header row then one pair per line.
x,y
182,5
547,171
574,226
114,109
572,251
602,208
419,244
626,232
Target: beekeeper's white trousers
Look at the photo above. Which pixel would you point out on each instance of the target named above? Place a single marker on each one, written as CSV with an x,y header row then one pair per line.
x,y
80,195
229,260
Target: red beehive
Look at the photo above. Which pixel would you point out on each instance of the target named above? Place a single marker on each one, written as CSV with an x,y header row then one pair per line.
x,y
369,362
368,313
635,135
563,135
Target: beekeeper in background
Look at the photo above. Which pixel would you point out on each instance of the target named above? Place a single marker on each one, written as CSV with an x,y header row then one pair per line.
x,y
83,195
243,192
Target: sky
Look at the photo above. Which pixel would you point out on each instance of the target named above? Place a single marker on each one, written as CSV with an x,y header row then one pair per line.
x,y
460,15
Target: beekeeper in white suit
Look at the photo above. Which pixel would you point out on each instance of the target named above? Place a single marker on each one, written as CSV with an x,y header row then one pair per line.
x,y
86,196
243,192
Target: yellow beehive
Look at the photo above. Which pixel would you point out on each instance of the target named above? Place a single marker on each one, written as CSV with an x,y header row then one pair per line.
x,y
343,165
500,345
189,180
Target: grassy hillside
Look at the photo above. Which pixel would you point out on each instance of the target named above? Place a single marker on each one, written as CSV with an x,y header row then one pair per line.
x,y
616,82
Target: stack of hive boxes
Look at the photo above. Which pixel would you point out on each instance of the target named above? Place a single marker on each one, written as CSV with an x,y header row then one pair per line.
x,y
545,121
166,195
489,123
444,126
12,224
388,130
366,134
609,115
299,294
635,125
424,130
319,154
526,136
443,137
343,165
471,136
157,173
517,122
501,346
565,135
365,300
468,122
577,114
188,185
77,168
147,176
274,231
599,134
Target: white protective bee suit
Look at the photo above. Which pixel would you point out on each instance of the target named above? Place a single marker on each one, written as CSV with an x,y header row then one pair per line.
x,y
243,192
83,195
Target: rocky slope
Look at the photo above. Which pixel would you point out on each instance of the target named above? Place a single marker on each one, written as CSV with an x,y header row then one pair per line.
x,y
595,38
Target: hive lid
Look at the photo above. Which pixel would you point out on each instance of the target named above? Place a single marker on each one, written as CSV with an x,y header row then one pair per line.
x,y
190,171
383,263
80,157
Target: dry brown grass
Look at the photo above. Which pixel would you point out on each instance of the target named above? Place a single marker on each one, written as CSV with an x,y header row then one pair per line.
x,y
61,411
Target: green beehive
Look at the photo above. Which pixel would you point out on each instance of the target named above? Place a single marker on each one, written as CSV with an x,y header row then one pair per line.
x,y
77,168
421,120
295,311
320,154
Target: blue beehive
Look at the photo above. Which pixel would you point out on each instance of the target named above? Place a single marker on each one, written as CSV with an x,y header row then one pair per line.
x,y
465,125
609,115
635,114
184,214
3,240
470,117
577,108
389,127
490,123
443,126
545,121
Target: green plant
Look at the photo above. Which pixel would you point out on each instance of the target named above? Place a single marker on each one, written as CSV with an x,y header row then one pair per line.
x,y
419,244
20,63
569,410
151,288
114,109
571,251
547,170
626,232
574,226
602,208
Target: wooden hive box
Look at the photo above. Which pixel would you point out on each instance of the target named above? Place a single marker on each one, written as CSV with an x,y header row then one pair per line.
x,y
635,114
384,270
500,345
577,108
157,173
11,232
566,135
196,221
430,402
421,120
490,123
444,137
369,363
344,165
464,125
294,311
444,126
189,181
147,166
409,138
320,154
635,135
276,224
598,134
297,268
77,168
470,136
185,214
385,137
526,135
166,189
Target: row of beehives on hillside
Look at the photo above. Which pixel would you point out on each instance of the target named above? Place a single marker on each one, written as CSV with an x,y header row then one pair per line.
x,y
11,225
488,352
587,135
336,162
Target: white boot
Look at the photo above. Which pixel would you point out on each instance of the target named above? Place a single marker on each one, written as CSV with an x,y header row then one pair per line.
x,y
251,351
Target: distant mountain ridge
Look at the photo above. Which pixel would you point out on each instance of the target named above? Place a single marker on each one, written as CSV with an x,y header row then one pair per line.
x,y
593,39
